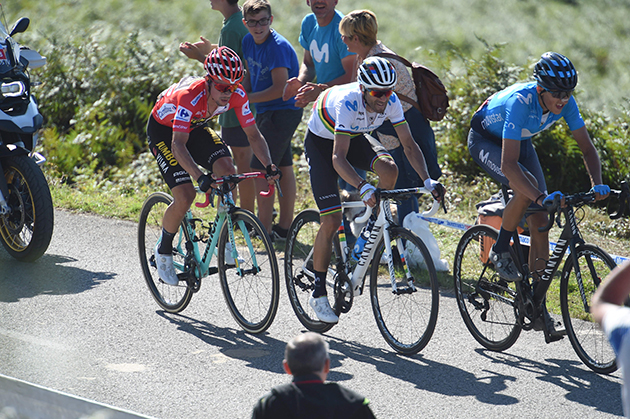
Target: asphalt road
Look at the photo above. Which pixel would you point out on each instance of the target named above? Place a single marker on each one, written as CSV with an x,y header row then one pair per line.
x,y
81,321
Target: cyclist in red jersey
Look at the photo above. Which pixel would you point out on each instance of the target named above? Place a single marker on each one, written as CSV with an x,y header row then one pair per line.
x,y
180,140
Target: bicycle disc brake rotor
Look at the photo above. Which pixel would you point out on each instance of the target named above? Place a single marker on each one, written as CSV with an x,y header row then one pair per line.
x,y
14,222
343,294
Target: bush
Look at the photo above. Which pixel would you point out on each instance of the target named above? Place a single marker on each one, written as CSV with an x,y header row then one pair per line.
x,y
97,92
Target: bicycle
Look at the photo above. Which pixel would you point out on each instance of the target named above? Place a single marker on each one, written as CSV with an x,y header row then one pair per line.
x,y
404,292
250,281
495,311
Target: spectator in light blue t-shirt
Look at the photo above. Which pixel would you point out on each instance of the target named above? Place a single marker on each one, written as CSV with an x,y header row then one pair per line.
x,y
326,57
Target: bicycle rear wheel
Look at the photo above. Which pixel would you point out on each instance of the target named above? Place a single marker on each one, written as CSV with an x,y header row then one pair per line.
x,y
485,301
298,268
172,298
587,338
407,318
250,283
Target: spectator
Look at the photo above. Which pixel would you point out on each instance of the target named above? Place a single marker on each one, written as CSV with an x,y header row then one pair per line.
x,y
309,396
608,309
358,30
271,61
326,57
232,134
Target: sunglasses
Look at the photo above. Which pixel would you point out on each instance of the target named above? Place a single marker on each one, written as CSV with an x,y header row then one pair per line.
x,y
380,93
225,88
559,94
262,22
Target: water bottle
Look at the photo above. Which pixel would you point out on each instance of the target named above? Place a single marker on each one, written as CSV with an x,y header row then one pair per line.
x,y
360,243
363,238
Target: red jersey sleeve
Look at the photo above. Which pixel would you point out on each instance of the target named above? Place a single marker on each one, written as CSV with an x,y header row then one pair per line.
x,y
240,103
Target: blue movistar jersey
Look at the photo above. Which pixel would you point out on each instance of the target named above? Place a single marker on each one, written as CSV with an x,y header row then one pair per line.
x,y
516,113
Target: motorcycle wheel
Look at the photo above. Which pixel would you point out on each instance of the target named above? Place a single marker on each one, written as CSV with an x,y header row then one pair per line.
x,y
26,231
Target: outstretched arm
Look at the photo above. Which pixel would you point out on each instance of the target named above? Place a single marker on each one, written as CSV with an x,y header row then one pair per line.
x,y
591,157
199,50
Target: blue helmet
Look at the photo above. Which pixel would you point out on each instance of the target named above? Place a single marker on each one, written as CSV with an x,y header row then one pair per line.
x,y
555,72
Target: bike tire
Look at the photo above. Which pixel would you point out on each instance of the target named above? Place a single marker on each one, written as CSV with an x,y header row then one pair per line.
x,y
587,338
26,232
485,301
172,298
251,286
406,320
297,259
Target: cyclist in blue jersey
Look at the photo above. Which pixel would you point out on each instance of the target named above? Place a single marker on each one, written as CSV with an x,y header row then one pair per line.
x,y
336,143
500,142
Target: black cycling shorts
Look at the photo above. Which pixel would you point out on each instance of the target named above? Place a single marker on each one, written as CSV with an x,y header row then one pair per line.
x,y
363,153
204,145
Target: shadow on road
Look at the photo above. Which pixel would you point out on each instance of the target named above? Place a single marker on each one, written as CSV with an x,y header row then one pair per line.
x,y
260,351
582,385
48,275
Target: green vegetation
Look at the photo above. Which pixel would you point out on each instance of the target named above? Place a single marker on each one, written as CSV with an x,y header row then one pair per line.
x,y
108,61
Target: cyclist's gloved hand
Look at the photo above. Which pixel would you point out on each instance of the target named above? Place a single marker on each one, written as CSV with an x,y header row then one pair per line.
x,y
551,197
602,190
204,183
367,191
430,184
272,170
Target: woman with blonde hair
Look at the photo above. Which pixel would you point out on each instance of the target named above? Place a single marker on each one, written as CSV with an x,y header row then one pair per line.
x,y
358,31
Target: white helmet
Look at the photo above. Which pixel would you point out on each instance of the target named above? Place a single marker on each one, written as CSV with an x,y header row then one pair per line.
x,y
377,73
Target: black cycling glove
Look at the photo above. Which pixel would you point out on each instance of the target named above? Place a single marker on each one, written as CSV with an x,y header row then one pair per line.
x,y
271,172
204,183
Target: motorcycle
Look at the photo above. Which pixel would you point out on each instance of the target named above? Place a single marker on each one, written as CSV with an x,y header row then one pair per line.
x,y
26,208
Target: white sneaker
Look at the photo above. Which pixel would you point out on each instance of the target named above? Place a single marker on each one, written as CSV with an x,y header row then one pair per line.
x,y
322,309
165,268
229,259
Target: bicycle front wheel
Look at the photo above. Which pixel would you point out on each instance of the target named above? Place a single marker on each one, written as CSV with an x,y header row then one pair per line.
x,y
298,268
171,298
406,317
587,338
485,301
248,270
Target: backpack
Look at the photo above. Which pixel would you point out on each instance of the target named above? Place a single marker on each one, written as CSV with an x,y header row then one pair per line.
x,y
432,97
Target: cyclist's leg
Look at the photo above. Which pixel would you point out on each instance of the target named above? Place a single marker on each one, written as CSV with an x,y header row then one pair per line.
x,y
366,153
177,179
326,193
539,248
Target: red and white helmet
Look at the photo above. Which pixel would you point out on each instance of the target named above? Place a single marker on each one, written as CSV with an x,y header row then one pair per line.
x,y
224,66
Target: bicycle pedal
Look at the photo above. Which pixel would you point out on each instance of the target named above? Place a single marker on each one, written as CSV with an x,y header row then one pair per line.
x,y
213,270
554,336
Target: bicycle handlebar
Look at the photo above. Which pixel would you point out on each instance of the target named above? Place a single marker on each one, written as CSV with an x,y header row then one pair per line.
x,y
398,193
229,182
582,198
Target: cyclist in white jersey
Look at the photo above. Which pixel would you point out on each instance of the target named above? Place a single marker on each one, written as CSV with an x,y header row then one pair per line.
x,y
336,143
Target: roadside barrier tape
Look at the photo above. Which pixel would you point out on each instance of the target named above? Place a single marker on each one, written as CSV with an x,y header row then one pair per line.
x,y
524,239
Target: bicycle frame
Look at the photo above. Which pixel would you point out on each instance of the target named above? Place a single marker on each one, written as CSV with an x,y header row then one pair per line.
x,y
224,207
379,230
570,238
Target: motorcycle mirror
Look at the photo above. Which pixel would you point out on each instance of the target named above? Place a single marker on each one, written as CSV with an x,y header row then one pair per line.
x,y
20,26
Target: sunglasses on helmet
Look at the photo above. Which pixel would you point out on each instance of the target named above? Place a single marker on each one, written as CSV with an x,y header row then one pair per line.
x,y
380,93
225,88
556,94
